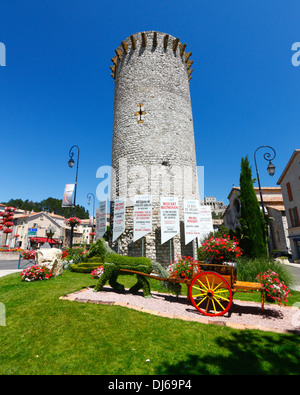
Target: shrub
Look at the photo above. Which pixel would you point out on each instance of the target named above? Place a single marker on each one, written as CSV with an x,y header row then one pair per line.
x,y
248,269
95,259
84,267
253,224
98,249
75,250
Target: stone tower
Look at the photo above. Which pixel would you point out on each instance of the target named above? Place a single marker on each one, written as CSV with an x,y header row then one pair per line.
x,y
153,136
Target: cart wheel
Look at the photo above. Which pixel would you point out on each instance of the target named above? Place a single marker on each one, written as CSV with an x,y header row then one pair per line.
x,y
210,293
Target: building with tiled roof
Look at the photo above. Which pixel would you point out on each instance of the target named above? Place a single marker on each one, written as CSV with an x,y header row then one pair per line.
x,y
273,202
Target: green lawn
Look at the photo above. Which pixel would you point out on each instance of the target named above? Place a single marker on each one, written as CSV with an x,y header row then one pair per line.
x,y
45,335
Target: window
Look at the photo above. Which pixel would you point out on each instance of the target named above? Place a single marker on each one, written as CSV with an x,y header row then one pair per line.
x,y
294,216
289,191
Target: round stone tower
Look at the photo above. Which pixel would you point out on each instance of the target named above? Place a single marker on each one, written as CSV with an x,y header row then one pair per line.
x,y
153,149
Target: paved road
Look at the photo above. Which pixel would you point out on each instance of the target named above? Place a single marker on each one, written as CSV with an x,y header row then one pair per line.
x,y
294,269
7,267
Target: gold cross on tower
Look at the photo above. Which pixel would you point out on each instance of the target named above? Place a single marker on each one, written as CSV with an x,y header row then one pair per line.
x,y
140,113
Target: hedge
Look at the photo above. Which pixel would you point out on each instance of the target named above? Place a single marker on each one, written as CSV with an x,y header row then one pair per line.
x,y
85,267
140,264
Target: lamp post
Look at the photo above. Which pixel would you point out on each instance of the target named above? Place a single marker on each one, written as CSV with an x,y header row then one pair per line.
x,y
71,163
271,169
50,233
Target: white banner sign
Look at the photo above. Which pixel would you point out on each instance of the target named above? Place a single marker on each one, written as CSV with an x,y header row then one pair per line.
x,y
169,216
142,216
206,225
68,196
191,220
119,218
101,219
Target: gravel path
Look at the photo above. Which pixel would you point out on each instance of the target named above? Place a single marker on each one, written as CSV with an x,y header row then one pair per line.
x,y
242,315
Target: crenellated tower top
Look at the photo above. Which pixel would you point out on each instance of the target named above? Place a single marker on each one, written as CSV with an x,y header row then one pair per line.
x,y
153,40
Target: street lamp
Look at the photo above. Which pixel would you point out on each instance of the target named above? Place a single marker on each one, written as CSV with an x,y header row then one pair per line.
x,y
271,169
50,233
71,163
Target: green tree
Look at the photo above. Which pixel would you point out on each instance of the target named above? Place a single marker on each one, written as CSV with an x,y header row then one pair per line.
x,y
253,225
51,205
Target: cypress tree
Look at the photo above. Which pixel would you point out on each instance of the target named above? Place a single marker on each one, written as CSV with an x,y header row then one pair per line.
x,y
252,221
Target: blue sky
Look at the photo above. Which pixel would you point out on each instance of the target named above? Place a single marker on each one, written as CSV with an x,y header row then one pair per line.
x,y
56,89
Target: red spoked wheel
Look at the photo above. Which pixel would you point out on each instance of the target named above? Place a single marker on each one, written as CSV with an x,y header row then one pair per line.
x,y
210,294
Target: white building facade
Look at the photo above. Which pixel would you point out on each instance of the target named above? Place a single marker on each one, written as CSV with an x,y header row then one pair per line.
x,y
290,186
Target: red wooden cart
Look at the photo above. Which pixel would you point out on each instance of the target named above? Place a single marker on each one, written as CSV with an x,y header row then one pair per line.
x,y
211,289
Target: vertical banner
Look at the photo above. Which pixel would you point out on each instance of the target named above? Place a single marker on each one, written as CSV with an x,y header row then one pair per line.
x,y
191,220
206,225
101,219
169,216
142,216
119,218
68,196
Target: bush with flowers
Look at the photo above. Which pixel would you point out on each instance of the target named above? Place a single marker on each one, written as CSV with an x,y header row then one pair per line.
x,y
29,254
97,273
65,254
276,290
183,267
36,273
220,249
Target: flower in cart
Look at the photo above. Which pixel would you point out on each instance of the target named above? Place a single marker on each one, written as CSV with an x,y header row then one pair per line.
x,y
221,249
183,267
275,289
73,221
97,273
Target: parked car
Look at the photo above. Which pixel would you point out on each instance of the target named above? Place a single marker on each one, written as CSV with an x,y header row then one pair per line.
x,y
278,254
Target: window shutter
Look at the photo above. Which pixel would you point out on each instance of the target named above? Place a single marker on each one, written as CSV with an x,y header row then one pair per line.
x,y
297,216
289,191
291,217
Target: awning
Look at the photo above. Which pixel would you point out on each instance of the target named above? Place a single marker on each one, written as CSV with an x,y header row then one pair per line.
x,y
45,240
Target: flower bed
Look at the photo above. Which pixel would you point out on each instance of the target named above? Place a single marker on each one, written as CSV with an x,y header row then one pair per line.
x,y
36,273
276,290
97,273
28,254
